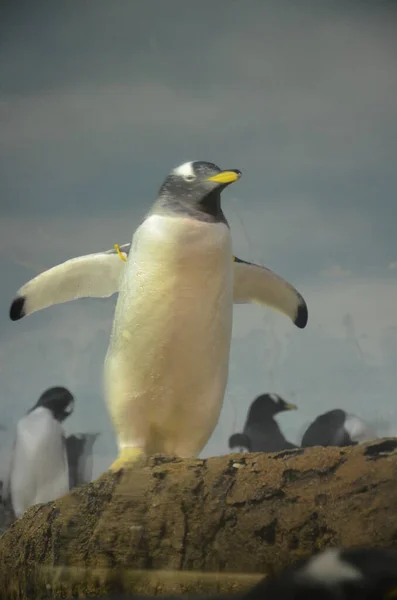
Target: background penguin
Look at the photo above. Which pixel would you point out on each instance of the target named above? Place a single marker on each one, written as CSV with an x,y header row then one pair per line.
x,y
261,431
176,281
39,468
334,574
79,454
336,428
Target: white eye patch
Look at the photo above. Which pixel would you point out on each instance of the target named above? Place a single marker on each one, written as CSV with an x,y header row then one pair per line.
x,y
186,171
69,408
274,397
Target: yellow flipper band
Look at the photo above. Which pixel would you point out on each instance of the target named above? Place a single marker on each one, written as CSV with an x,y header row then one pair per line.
x,y
117,248
234,258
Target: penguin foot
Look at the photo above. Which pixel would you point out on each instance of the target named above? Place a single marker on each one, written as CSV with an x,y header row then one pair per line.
x,y
126,457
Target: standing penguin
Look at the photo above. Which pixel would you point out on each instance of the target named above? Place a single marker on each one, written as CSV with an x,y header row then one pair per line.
x,y
337,428
39,468
261,431
167,363
79,453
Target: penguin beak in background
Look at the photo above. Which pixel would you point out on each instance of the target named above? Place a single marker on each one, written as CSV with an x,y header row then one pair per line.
x,y
225,177
291,407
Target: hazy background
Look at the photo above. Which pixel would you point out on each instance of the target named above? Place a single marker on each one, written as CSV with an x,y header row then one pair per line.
x,y
100,99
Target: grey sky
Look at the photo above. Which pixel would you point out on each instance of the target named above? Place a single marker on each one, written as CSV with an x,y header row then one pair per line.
x,y
99,100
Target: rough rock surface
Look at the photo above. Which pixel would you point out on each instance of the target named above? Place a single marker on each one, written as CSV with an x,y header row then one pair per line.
x,y
248,514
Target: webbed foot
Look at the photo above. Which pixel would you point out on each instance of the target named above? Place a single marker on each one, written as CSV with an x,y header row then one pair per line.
x,y
126,458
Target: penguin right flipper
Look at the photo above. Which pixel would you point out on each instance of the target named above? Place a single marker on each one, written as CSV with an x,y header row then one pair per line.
x,y
90,276
257,284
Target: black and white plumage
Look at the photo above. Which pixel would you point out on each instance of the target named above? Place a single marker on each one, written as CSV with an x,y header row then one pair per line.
x,y
337,428
79,453
334,574
39,467
166,368
261,431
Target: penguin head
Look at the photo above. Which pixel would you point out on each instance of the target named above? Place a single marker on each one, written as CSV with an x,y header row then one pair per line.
x,y
58,400
195,187
268,405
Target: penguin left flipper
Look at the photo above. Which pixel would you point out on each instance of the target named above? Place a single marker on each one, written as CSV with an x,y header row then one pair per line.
x,y
259,285
90,276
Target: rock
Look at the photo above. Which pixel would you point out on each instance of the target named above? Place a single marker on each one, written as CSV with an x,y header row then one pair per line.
x,y
202,526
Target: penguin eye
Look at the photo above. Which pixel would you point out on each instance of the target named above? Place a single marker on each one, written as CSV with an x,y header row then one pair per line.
x,y
189,177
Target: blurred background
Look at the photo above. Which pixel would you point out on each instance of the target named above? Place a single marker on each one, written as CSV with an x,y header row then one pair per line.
x,y
99,100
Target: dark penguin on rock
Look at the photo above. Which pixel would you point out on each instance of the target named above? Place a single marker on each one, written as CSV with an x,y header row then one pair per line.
x,y
334,574
39,468
336,428
261,431
79,452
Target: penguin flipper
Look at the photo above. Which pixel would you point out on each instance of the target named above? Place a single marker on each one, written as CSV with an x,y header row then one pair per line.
x,y
90,276
259,285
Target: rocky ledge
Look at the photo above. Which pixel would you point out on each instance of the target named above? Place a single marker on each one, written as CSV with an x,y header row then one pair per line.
x,y
198,526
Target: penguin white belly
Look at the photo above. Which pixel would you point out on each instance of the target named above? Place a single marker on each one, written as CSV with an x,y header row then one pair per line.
x,y
39,471
166,369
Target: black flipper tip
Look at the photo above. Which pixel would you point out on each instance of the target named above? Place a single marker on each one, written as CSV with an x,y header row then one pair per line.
x,y
240,260
302,315
17,308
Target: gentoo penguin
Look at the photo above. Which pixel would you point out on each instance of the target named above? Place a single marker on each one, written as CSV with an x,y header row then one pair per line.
x,y
336,428
167,363
261,431
334,574
39,467
79,454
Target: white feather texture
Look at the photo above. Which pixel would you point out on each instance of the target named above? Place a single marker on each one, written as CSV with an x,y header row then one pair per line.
x,y
358,429
39,469
259,285
329,568
90,276
167,364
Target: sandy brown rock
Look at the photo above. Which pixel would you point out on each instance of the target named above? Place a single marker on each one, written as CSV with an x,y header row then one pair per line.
x,y
248,514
